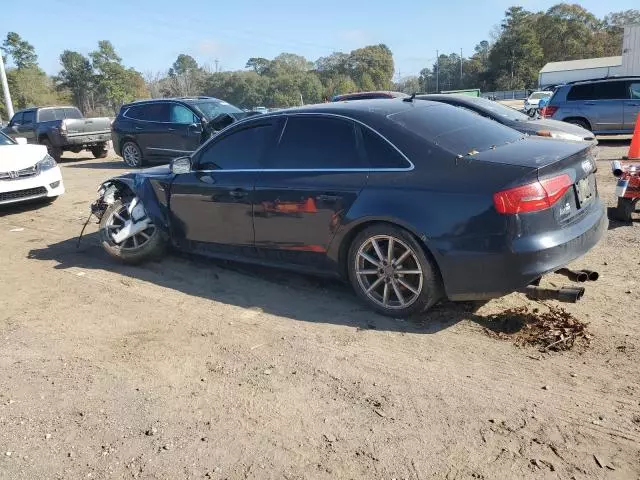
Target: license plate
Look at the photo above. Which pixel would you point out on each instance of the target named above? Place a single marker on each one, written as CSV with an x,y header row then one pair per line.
x,y
586,190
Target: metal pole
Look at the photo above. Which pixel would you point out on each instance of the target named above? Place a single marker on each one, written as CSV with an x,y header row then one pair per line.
x,y
5,89
460,68
437,71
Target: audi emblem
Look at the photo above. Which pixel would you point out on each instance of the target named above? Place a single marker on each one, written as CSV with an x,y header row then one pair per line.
x,y
13,175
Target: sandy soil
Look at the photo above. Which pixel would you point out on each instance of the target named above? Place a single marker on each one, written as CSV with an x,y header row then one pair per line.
x,y
189,369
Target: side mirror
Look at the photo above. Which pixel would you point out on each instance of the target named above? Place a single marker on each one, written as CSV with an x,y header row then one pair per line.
x,y
21,140
181,165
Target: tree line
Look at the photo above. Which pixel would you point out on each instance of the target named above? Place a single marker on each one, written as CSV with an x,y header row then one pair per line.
x,y
510,59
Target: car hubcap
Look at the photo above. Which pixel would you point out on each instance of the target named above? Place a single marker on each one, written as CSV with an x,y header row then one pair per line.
x,y
118,220
131,155
388,271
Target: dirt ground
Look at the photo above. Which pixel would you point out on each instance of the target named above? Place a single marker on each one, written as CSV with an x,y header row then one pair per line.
x,y
192,369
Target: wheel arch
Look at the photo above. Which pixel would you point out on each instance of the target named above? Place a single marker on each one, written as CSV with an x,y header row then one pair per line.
x,y
341,250
579,118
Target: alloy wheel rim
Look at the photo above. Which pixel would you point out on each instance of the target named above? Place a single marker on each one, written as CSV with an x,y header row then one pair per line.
x,y
389,272
131,155
117,220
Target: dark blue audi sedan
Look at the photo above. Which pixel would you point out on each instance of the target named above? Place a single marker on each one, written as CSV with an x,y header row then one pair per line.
x,y
411,201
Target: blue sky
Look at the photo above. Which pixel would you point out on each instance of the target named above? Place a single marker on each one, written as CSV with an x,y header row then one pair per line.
x,y
150,34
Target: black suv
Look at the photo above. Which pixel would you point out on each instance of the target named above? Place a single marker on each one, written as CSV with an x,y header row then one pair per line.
x,y
162,129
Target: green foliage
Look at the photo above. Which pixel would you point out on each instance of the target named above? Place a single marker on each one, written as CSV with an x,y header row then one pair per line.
x,y
185,77
31,87
77,77
21,52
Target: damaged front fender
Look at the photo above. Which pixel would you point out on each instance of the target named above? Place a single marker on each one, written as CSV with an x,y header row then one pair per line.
x,y
150,187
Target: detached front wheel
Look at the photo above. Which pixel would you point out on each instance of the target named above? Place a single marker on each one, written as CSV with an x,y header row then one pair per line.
x,y
390,271
128,240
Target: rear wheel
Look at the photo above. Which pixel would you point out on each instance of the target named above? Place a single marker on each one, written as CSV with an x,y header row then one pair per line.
x,y
132,155
626,208
579,122
55,152
145,245
99,151
390,271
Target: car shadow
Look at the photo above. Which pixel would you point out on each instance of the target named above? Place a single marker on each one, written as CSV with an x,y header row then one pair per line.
x,y
268,290
100,165
63,160
614,142
613,223
24,206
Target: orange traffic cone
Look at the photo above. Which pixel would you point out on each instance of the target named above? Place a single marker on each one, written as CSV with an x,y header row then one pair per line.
x,y
310,206
634,148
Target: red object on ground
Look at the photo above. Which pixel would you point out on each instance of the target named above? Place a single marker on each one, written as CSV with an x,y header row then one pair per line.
x,y
634,148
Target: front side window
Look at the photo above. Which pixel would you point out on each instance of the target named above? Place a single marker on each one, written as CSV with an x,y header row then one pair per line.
x,y
29,117
17,119
316,143
237,150
634,90
610,91
181,114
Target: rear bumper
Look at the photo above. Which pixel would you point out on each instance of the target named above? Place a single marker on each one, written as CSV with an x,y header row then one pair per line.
x,y
478,276
47,184
85,139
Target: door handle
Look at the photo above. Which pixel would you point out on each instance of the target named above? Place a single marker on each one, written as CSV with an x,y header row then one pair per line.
x,y
171,129
138,128
238,193
589,103
327,198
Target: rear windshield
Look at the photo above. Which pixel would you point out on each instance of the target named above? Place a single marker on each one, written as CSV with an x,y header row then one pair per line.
x,y
213,108
455,129
539,95
497,109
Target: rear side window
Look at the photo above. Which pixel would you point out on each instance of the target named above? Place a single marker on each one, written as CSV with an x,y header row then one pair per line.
x,y
29,117
599,91
151,112
47,115
310,143
455,129
381,154
238,150
634,90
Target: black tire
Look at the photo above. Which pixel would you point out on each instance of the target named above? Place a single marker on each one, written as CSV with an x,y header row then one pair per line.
x,y
99,151
624,211
55,152
151,250
424,294
579,122
132,154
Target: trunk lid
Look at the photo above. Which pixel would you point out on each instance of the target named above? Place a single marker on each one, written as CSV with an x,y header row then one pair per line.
x,y
87,125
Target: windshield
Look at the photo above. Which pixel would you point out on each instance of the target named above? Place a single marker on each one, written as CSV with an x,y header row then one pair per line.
x,y
213,108
4,140
497,109
539,95
455,129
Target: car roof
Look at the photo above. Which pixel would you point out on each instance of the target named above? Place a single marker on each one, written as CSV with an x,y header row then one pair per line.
x,y
603,79
356,95
356,109
172,99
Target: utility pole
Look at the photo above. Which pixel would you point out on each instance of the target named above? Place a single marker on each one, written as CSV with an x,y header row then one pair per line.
x,y
460,68
216,61
437,71
5,89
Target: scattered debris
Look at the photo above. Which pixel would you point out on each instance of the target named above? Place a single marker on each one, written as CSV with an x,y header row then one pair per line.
x,y
47,436
329,437
599,462
267,371
151,432
17,230
546,387
554,330
8,454
380,413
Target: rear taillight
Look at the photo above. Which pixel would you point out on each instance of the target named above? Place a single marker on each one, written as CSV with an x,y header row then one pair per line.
x,y
532,197
548,111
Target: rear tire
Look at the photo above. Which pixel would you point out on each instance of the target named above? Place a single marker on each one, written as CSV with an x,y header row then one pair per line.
x,y
132,155
626,208
55,152
100,151
578,122
133,250
420,287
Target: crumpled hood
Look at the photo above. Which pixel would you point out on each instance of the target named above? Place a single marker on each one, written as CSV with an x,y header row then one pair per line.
x,y
17,157
536,124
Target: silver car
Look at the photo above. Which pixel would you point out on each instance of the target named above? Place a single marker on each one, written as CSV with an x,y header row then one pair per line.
x,y
605,106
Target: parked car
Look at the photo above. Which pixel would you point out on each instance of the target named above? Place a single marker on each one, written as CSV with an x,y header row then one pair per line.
x,y
162,129
27,172
531,103
412,201
368,96
515,119
607,106
61,129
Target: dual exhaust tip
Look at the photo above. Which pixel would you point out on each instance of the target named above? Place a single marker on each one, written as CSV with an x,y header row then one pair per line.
x,y
564,294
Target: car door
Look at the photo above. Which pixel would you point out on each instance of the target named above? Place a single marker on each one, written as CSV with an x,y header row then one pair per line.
x,y
602,104
632,106
212,206
12,127
185,130
23,125
311,179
